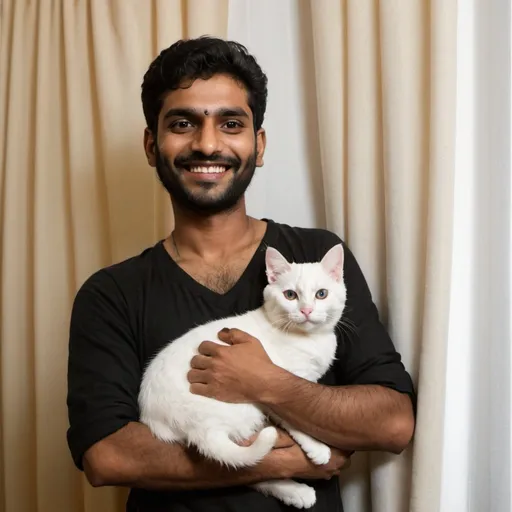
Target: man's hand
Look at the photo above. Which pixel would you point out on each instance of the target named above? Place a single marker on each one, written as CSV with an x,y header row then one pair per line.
x,y
288,455
283,440
298,465
236,373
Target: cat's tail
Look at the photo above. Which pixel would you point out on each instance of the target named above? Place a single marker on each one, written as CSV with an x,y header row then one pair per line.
x,y
217,445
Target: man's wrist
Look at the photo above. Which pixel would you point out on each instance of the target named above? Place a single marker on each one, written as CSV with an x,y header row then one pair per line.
x,y
272,387
276,465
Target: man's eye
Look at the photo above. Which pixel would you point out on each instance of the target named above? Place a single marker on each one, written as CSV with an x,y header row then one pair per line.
x,y
232,125
180,125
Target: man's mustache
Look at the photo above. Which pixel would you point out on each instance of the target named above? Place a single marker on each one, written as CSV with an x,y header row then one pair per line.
x,y
197,157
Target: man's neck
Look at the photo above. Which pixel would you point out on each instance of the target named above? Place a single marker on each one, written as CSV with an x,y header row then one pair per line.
x,y
214,236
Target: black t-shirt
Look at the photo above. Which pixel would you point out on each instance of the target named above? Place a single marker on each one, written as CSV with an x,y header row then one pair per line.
x,y
124,314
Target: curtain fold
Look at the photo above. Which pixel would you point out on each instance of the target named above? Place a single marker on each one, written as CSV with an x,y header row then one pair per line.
x,y
328,30
76,195
387,149
438,247
477,431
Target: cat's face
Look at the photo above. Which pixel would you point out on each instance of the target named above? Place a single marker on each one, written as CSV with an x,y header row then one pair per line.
x,y
306,297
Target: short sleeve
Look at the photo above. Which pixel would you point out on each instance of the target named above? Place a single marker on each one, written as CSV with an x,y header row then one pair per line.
x,y
103,366
366,354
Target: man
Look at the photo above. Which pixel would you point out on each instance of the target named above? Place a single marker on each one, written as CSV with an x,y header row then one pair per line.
x,y
204,101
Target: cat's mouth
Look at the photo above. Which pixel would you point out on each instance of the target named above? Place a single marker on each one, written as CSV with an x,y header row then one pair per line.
x,y
306,321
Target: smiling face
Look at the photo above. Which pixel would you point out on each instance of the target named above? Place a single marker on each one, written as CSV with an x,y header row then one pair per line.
x,y
307,297
206,150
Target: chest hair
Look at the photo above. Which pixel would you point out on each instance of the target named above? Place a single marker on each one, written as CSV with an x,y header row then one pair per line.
x,y
218,277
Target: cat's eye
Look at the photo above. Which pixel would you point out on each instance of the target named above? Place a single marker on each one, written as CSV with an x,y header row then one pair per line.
x,y
290,294
321,294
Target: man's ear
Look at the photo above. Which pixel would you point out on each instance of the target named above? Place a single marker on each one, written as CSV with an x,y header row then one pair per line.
x,y
150,147
261,143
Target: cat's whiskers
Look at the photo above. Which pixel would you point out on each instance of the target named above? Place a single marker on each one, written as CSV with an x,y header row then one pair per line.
x,y
287,326
351,326
283,327
278,324
346,328
280,320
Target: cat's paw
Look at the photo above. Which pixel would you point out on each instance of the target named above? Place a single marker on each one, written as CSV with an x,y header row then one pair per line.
x,y
289,492
302,496
318,453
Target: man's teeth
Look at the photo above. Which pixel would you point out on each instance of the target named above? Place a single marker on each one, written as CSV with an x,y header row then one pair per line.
x,y
207,170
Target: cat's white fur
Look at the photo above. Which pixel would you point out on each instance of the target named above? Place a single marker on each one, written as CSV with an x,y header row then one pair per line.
x,y
305,346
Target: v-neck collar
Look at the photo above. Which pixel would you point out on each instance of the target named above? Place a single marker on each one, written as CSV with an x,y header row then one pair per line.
x,y
269,238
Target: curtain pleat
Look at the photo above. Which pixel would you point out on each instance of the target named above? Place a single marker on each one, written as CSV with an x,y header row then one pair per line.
x,y
385,80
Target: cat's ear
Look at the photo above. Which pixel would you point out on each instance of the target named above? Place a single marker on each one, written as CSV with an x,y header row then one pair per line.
x,y
332,262
276,264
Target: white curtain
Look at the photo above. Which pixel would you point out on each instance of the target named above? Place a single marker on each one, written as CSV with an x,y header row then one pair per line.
x,y
477,429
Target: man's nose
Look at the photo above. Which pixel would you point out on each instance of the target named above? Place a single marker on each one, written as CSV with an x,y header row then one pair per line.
x,y
207,140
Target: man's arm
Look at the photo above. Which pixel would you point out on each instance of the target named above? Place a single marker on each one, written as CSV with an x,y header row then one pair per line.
x,y
364,417
132,457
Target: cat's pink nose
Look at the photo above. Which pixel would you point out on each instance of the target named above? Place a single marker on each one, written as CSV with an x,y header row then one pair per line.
x,y
306,311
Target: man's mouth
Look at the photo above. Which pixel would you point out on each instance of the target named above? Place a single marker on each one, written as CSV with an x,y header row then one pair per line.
x,y
207,169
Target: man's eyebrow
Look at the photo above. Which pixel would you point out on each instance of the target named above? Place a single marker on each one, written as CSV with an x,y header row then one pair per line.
x,y
230,112
195,112
182,112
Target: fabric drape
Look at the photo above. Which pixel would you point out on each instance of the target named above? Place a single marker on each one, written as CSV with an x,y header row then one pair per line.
x,y
386,81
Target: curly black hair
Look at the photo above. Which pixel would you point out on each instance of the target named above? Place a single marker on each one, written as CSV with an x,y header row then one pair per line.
x,y
189,59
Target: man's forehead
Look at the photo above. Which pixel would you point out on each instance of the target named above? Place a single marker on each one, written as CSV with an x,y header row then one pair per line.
x,y
211,94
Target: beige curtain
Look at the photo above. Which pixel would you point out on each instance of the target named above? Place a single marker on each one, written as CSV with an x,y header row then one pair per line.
x,y
76,195
385,79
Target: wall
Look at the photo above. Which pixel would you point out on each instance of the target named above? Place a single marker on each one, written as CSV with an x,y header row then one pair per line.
x,y
289,187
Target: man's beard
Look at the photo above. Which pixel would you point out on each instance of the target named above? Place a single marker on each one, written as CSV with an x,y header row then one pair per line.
x,y
204,204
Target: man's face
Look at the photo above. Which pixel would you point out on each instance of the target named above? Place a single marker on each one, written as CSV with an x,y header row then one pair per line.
x,y
206,152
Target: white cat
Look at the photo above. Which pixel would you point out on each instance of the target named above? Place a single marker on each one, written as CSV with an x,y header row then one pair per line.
x,y
302,306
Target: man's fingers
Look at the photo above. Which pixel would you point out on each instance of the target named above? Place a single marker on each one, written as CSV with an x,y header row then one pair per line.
x,y
249,440
199,389
284,440
197,377
340,458
241,336
234,336
209,348
201,362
